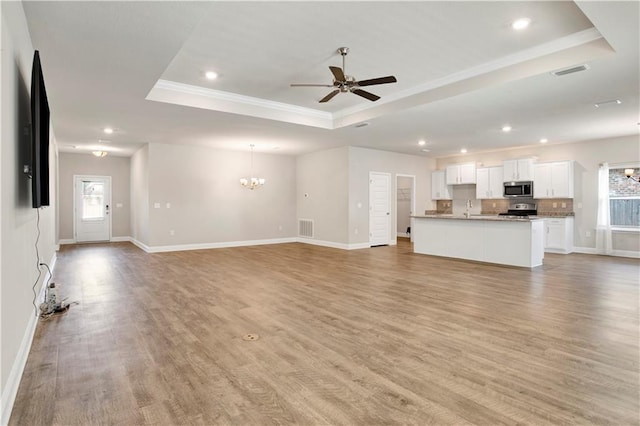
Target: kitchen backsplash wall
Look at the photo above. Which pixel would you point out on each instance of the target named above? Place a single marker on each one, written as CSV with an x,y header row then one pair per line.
x,y
444,207
495,206
555,206
563,206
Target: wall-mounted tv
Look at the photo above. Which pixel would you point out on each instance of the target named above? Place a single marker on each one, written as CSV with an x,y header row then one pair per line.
x,y
39,137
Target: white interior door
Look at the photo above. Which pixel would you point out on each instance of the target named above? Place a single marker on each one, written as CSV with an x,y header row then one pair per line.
x,y
92,208
379,208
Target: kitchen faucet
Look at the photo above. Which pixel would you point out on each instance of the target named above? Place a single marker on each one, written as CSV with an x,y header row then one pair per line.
x,y
468,206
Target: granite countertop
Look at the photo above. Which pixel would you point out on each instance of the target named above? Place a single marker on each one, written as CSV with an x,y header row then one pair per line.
x,y
491,217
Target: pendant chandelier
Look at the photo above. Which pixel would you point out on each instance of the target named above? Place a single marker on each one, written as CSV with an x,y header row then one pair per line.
x,y
252,182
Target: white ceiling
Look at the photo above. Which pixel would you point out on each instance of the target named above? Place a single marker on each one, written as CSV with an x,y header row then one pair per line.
x,y
462,73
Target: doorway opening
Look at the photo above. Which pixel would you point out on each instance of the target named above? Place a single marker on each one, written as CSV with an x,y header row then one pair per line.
x,y
405,204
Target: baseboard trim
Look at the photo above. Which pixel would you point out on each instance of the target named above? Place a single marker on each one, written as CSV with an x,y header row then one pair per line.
x,y
206,246
67,241
229,244
120,239
331,244
617,253
10,390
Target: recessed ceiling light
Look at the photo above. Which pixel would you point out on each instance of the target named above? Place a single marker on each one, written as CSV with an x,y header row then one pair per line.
x,y
463,150
108,130
520,24
611,102
544,140
506,129
100,153
211,75
422,142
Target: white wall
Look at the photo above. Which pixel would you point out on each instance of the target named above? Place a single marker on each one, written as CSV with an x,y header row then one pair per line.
x,y
324,177
361,162
18,232
86,164
139,191
587,155
207,203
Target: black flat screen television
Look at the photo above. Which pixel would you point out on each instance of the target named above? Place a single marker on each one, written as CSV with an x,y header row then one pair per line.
x,y
39,137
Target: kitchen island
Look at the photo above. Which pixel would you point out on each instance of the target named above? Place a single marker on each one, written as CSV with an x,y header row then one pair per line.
x,y
506,240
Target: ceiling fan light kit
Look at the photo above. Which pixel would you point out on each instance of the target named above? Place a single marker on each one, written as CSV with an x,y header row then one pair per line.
x,y
343,83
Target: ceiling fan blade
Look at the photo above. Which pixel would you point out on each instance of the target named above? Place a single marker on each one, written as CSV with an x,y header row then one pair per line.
x,y
338,74
329,96
381,80
366,94
310,85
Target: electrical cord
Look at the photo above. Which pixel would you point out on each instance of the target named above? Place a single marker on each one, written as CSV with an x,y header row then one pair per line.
x,y
33,287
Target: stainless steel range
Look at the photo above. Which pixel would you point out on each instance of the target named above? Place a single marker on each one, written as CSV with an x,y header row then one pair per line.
x,y
521,210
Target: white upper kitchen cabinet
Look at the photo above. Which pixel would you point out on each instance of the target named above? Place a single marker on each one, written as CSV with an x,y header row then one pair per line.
x,y
518,170
489,183
553,180
439,188
460,174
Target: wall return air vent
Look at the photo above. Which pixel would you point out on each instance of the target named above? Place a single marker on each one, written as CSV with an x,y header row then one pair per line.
x,y
305,228
565,71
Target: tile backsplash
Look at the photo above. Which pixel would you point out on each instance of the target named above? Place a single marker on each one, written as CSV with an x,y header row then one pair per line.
x,y
547,207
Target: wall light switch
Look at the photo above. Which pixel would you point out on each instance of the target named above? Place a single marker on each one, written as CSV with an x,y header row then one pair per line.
x,y
172,232
587,233
359,205
156,205
355,231
564,205
579,205
119,205
168,205
555,205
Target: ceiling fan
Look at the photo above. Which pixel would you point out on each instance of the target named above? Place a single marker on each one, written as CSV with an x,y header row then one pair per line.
x,y
346,83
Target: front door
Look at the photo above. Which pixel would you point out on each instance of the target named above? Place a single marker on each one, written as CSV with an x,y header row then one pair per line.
x,y
379,208
92,202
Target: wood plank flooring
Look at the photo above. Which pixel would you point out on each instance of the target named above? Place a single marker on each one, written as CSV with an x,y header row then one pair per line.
x,y
362,337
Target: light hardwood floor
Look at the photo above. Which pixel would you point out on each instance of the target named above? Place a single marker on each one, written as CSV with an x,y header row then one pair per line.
x,y
363,337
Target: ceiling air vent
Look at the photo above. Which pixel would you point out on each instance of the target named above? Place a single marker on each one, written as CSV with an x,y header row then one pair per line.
x,y
571,70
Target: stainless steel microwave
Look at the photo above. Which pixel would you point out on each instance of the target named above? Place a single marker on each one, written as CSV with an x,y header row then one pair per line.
x,y
518,189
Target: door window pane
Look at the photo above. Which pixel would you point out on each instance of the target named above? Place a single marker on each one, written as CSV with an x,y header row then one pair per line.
x,y
92,200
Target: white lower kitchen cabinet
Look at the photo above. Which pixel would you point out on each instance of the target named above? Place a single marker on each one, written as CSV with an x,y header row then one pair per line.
x,y
558,233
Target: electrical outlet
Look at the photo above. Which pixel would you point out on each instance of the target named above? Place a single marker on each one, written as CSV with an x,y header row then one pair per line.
x,y
493,205
555,205
168,205
156,205
280,228
587,234
355,231
172,232
564,205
